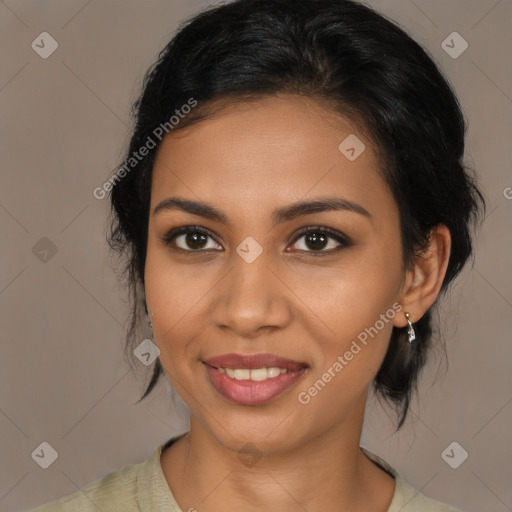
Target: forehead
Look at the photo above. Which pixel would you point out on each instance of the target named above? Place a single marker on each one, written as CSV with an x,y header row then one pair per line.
x,y
277,149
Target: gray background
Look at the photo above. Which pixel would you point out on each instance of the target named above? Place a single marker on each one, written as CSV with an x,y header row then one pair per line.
x,y
63,378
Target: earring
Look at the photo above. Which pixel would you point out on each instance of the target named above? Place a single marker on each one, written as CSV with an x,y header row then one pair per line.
x,y
411,335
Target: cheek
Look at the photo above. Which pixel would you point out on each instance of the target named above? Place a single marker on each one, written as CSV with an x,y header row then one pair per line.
x,y
356,303
348,359
360,322
348,296
176,297
170,289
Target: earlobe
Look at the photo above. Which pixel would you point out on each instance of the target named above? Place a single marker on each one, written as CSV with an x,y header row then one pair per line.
x,y
424,280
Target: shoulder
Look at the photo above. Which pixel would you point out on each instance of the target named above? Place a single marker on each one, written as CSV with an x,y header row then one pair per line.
x,y
132,488
415,501
115,491
407,498
129,489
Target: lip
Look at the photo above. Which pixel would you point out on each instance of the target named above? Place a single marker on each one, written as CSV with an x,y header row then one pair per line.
x,y
248,392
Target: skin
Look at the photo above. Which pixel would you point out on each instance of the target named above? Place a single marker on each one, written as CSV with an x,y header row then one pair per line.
x,y
247,160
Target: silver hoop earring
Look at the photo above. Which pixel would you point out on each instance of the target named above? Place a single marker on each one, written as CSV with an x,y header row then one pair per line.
x,y
411,335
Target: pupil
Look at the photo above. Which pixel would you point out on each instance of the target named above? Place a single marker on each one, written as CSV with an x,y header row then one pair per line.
x,y
195,240
318,241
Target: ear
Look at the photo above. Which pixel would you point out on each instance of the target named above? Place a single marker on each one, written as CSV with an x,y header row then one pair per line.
x,y
422,283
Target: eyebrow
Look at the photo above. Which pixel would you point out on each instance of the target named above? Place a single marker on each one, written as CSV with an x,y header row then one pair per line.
x,y
279,216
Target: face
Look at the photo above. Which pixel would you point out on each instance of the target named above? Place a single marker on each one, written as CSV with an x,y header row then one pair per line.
x,y
273,272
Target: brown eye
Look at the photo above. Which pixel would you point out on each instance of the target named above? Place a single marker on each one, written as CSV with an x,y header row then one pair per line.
x,y
190,239
321,240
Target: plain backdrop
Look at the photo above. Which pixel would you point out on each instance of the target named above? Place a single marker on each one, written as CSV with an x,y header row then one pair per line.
x,y
63,378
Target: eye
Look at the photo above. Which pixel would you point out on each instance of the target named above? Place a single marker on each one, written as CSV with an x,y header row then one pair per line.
x,y
189,239
316,240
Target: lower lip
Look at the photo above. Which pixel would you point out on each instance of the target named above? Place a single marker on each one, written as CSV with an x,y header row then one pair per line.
x,y
249,392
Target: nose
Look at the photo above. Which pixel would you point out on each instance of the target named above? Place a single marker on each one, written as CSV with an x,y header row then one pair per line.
x,y
251,300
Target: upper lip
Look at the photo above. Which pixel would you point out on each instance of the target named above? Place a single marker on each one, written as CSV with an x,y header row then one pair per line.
x,y
252,362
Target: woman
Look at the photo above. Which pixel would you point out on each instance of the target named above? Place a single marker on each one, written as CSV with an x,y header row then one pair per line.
x,y
292,205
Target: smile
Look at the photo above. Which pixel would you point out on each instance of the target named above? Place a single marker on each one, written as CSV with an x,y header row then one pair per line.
x,y
252,379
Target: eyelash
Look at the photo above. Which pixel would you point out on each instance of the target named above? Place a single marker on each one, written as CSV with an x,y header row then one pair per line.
x,y
343,240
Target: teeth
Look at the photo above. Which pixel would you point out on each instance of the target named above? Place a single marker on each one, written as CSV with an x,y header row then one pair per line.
x,y
242,374
256,375
259,374
273,372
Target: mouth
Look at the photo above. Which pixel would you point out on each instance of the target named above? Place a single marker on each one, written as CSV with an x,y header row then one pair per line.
x,y
253,379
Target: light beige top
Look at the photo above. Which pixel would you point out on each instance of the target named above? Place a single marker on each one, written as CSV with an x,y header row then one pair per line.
x,y
143,487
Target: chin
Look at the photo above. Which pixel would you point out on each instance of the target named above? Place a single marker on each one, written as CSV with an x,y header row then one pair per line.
x,y
268,431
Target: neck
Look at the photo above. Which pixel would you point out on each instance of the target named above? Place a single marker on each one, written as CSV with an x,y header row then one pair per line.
x,y
327,472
